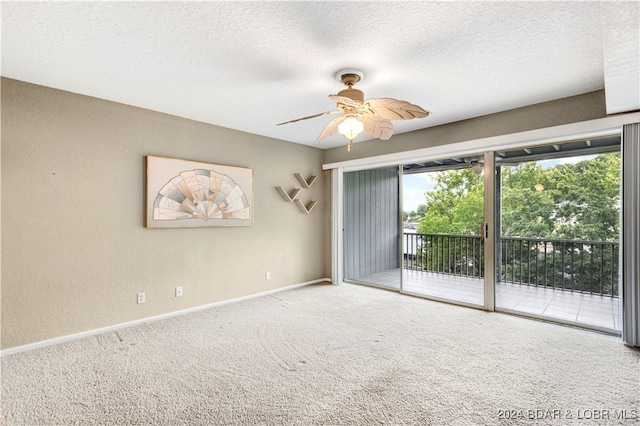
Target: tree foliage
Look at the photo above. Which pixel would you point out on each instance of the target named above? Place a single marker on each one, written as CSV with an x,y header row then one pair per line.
x,y
455,206
415,216
576,201
587,198
526,210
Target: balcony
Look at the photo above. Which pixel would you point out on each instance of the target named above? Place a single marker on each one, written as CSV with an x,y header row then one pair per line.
x,y
566,280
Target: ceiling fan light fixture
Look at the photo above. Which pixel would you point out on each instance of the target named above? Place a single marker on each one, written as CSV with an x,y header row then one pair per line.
x,y
350,128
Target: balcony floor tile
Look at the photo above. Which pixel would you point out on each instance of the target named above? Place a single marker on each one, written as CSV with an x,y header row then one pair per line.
x,y
594,310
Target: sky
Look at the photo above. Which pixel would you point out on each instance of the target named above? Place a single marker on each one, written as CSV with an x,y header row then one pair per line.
x,y
567,160
413,189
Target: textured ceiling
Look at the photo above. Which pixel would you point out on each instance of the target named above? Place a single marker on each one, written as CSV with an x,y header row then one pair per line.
x,y
250,65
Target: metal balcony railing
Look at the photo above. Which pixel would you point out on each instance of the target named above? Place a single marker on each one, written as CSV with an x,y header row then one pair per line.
x,y
449,254
579,266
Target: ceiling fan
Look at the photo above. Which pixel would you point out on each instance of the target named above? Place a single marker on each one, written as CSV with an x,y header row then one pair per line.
x,y
372,117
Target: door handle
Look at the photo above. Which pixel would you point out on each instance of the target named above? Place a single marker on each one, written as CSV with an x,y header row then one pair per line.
x,y
484,231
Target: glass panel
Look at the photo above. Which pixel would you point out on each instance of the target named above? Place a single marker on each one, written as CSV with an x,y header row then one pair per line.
x,y
443,203
558,249
371,228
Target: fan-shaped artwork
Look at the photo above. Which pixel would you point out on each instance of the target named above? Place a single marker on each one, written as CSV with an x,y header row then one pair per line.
x,y
207,196
201,194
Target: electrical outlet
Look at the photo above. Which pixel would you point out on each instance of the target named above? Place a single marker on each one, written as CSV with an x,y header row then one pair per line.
x,y
267,275
140,298
179,291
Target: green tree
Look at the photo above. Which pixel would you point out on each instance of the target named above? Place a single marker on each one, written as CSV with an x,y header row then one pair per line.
x,y
587,198
527,208
416,215
455,205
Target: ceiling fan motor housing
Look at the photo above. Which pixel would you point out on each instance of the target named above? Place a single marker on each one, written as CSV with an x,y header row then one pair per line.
x,y
351,93
349,78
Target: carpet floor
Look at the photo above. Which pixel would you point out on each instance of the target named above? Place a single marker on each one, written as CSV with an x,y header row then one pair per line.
x,y
328,355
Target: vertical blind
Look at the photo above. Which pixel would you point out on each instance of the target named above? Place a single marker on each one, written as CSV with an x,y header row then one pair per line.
x,y
630,239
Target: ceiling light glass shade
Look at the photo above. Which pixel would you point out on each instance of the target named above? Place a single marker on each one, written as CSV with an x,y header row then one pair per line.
x,y
350,127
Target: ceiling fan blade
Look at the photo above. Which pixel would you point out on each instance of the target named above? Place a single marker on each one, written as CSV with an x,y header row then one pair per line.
x,y
346,101
394,109
310,116
376,126
331,128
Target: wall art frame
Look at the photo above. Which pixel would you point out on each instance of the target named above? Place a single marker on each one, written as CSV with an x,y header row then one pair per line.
x,y
191,194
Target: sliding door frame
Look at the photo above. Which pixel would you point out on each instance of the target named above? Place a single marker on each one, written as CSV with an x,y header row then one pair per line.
x,y
497,245
491,231
337,225
484,304
400,253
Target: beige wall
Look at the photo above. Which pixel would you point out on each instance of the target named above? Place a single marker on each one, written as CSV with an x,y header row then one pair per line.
x,y
584,107
74,248
75,251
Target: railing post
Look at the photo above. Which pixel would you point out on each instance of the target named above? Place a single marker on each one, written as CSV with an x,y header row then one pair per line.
x,y
602,270
553,265
562,269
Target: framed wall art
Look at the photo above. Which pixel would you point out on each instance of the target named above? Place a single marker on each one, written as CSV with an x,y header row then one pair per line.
x,y
190,194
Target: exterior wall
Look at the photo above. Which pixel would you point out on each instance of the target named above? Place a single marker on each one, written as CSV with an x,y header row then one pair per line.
x,y
75,251
370,221
574,109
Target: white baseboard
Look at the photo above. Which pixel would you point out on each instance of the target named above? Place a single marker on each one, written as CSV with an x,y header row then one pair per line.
x,y
62,339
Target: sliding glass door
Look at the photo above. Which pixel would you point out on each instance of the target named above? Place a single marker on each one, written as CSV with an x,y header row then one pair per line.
x,y
558,246
435,248
443,247
533,231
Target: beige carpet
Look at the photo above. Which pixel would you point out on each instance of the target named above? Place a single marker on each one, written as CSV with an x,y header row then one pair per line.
x,y
325,355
